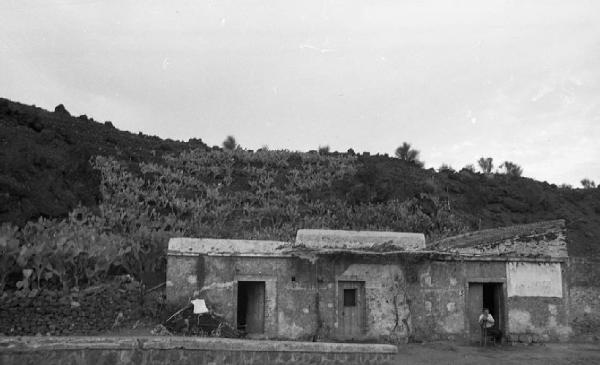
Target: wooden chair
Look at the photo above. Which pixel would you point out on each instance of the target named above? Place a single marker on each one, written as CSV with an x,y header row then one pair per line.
x,y
485,336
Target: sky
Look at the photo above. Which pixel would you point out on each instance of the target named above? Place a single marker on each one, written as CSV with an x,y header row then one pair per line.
x,y
458,79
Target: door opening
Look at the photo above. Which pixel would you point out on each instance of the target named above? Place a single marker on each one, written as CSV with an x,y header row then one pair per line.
x,y
485,295
251,306
491,300
351,309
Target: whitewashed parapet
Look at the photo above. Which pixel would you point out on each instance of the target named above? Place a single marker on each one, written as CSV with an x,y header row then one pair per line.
x,y
360,240
212,246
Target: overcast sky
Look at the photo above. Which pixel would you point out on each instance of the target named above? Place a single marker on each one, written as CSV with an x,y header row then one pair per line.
x,y
513,80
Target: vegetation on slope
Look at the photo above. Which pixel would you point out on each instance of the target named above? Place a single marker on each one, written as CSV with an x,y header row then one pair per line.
x,y
103,201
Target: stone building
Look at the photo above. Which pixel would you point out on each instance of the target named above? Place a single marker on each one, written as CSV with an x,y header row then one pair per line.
x,y
384,286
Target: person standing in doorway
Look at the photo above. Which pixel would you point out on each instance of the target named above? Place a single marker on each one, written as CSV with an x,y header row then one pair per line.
x,y
487,323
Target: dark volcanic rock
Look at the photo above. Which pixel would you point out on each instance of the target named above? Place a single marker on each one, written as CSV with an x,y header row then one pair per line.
x,y
44,159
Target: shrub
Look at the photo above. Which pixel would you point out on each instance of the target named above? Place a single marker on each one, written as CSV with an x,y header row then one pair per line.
x,y
486,164
60,109
588,184
511,169
230,143
470,168
445,168
408,154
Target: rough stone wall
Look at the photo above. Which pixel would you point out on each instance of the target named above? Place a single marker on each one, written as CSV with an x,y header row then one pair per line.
x,y
190,357
290,304
385,295
421,299
541,319
437,301
549,243
82,312
405,300
585,312
545,238
185,351
584,298
538,302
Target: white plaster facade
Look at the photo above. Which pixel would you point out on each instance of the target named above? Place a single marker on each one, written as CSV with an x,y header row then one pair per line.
x,y
527,279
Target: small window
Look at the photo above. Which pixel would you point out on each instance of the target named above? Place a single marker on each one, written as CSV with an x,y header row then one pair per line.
x,y
293,278
349,297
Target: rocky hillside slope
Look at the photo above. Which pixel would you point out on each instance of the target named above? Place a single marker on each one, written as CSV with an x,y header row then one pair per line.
x,y
49,167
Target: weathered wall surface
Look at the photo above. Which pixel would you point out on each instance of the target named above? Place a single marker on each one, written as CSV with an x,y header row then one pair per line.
x,y
327,238
185,351
182,279
538,306
439,297
406,297
437,301
541,319
197,246
535,239
385,292
526,279
88,311
551,244
290,307
585,312
584,298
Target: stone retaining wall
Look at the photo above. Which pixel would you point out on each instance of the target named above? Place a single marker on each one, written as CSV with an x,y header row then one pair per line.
x,y
86,312
185,350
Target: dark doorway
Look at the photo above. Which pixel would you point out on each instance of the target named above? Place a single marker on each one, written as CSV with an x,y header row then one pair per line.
x,y
491,299
485,295
251,306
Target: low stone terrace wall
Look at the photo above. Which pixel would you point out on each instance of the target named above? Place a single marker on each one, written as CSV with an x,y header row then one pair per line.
x,y
185,350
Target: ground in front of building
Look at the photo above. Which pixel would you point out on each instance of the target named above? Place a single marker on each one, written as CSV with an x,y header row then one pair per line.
x,y
543,354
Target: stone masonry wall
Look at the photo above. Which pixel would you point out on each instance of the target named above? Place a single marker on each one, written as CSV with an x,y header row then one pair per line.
x,y
545,238
385,293
185,351
407,297
584,298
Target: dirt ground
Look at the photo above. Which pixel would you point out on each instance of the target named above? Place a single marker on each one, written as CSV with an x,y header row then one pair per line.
x,y
546,354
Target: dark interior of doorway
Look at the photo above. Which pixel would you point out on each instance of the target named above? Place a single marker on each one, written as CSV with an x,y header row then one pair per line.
x,y
491,300
250,306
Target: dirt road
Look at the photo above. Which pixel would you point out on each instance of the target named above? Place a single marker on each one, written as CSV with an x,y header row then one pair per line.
x,y
546,354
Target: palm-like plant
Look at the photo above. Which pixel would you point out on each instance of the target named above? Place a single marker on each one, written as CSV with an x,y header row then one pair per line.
x,y
407,153
587,183
511,168
486,164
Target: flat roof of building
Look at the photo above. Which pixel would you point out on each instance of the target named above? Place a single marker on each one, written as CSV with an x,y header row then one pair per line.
x,y
208,246
360,240
313,239
330,242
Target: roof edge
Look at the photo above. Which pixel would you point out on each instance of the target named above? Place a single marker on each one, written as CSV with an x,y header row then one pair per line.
x,y
492,235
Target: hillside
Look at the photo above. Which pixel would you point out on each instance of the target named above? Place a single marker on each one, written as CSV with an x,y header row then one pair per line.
x,y
65,168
